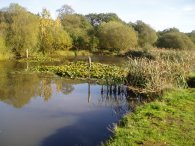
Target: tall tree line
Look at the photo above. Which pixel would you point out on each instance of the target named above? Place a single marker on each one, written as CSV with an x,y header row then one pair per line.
x,y
23,33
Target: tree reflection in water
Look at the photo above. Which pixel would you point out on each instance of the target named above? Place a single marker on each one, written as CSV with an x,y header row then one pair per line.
x,y
18,88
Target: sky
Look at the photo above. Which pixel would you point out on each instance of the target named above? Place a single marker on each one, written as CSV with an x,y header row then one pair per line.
x,y
159,14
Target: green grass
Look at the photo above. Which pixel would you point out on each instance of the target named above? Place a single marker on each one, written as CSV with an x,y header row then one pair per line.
x,y
168,121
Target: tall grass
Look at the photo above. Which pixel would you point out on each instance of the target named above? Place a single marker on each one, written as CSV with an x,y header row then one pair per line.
x,y
169,70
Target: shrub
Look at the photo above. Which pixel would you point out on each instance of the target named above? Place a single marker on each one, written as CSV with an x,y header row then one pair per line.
x,y
115,36
175,40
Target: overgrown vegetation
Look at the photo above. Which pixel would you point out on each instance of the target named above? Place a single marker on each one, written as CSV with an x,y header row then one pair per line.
x,y
145,72
81,70
167,121
166,69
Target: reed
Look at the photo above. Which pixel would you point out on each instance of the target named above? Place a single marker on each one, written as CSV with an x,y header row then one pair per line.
x,y
169,70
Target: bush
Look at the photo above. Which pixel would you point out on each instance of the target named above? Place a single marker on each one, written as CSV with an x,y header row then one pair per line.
x,y
175,40
116,36
146,34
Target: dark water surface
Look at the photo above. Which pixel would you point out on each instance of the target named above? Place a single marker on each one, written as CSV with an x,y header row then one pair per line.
x,y
45,110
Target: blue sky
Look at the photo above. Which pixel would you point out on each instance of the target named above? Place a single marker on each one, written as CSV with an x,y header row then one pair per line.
x,y
160,14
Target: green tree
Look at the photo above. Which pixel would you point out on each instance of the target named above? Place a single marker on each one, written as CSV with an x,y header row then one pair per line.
x,y
61,39
116,36
79,29
22,32
192,36
52,35
147,35
45,44
97,19
174,39
65,10
4,52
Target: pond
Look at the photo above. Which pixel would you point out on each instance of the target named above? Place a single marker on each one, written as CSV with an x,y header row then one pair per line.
x,y
46,110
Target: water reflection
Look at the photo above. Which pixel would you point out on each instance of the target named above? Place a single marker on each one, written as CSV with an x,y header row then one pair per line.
x,y
45,110
18,89
102,59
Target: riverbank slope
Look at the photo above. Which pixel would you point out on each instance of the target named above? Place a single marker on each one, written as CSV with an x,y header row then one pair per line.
x,y
166,121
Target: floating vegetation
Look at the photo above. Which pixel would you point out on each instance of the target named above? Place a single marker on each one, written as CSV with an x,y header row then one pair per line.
x,y
109,74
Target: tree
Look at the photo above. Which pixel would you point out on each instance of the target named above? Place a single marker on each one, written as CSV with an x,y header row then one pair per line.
x,y
3,27
97,19
65,10
192,36
45,35
79,29
174,39
52,35
22,31
116,36
61,39
3,48
147,35
169,30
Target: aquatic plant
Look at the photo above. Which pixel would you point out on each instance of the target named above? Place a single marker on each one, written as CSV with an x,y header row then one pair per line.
x,y
109,74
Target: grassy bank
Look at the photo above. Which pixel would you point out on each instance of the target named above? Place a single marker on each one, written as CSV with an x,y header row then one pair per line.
x,y
167,121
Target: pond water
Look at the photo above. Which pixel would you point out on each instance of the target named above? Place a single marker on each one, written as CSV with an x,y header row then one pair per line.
x,y
102,59
46,110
